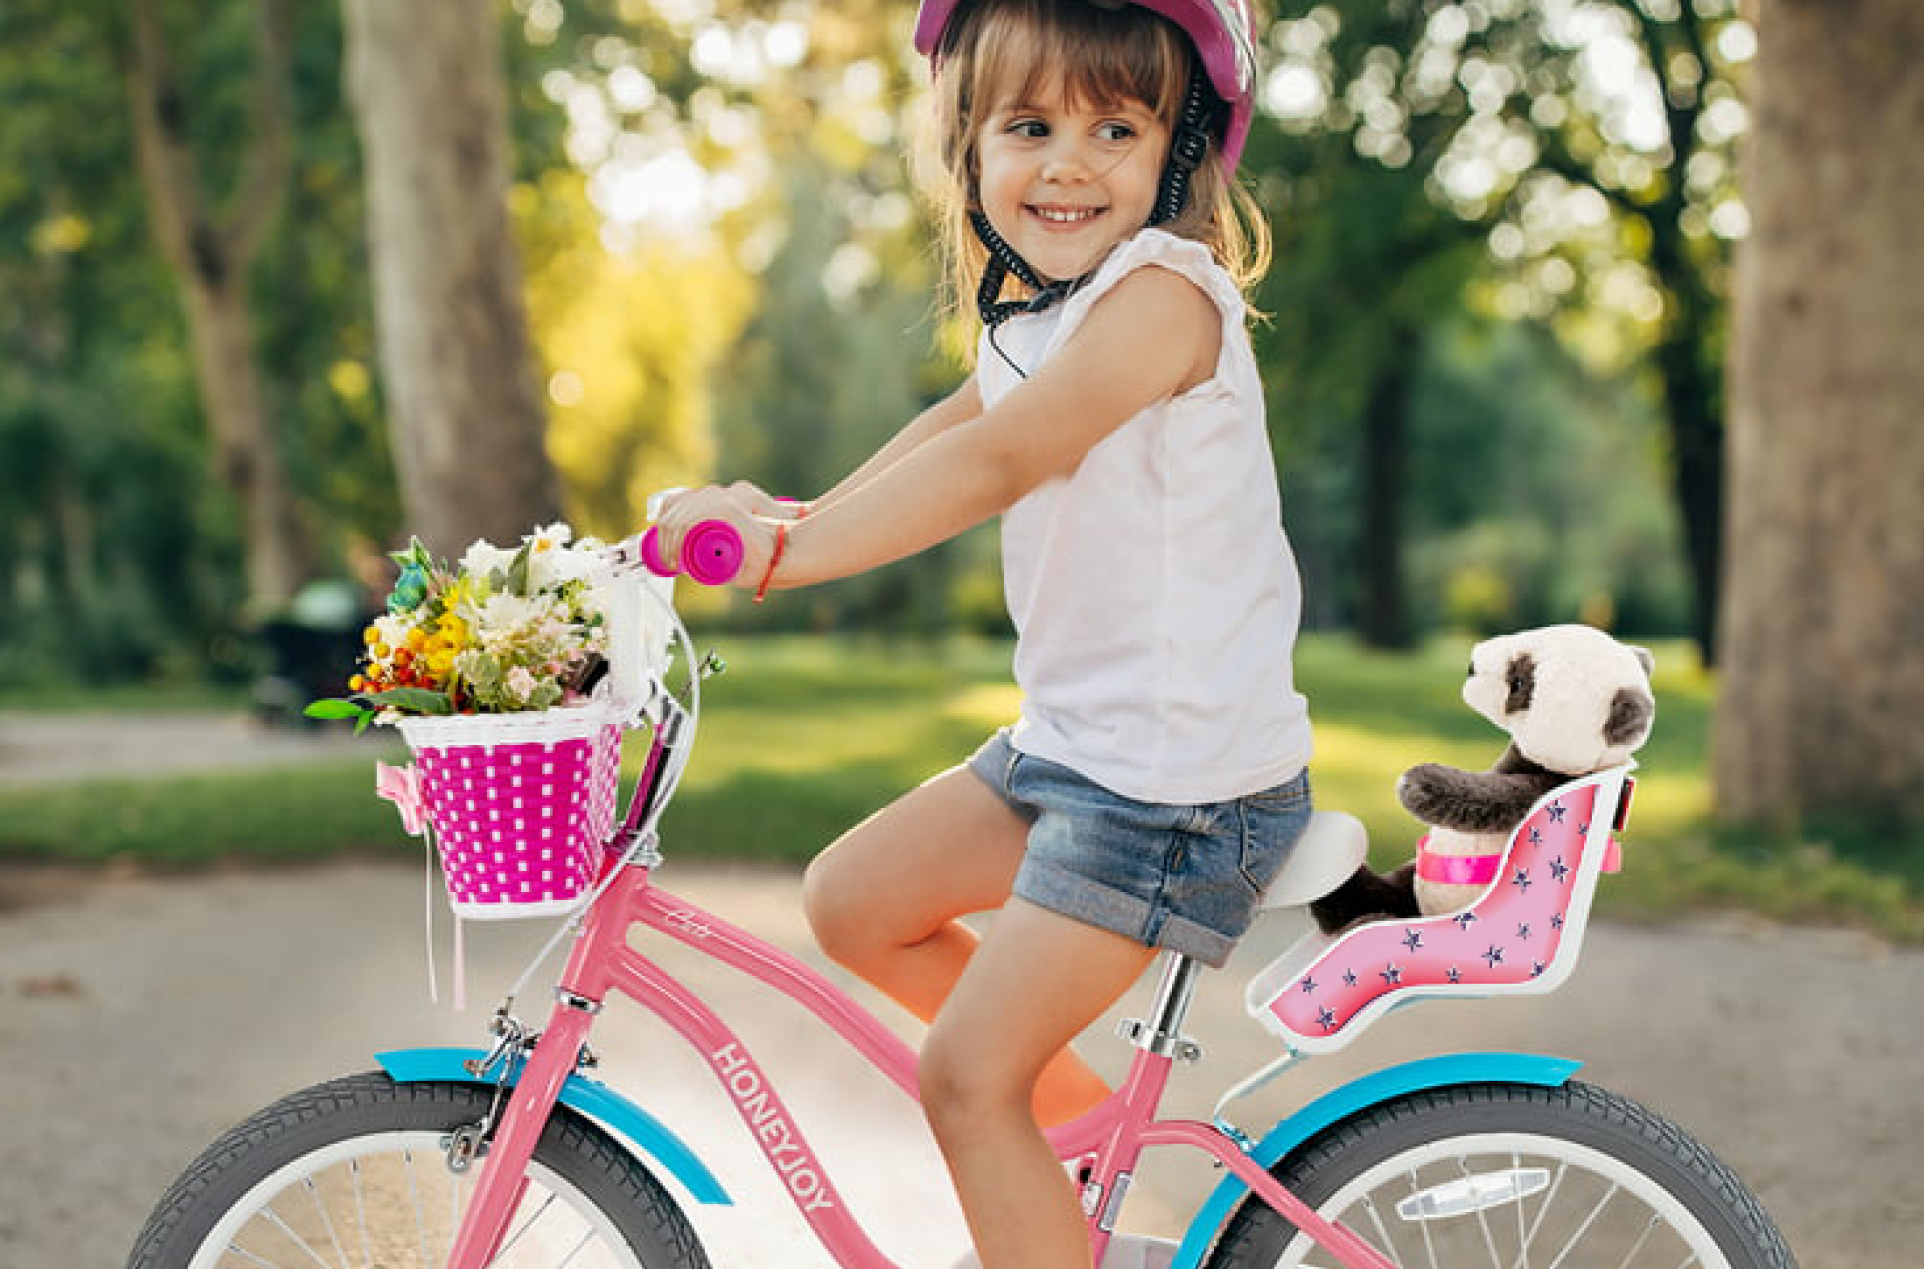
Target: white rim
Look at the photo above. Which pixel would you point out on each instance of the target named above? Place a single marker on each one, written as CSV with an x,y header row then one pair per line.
x,y
287,1197
1515,1232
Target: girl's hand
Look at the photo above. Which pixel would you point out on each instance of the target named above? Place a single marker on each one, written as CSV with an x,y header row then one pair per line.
x,y
683,510
767,506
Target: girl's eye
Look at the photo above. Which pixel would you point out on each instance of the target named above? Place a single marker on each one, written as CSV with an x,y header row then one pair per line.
x,y
1115,132
1028,128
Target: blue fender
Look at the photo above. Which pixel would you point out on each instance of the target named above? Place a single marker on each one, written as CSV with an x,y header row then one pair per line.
x,y
1360,1094
630,1124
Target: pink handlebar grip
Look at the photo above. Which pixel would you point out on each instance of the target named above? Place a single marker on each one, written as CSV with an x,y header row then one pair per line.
x,y
711,553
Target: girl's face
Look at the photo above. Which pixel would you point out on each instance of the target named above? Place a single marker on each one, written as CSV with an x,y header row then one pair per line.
x,y
1065,181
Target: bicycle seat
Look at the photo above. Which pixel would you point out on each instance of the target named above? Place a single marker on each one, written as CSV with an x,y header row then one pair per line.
x,y
1521,935
1324,857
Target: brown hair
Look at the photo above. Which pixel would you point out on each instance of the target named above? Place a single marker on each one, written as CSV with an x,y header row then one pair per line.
x,y
997,50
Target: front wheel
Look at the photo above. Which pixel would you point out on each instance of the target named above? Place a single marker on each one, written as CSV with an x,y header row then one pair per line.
x,y
354,1172
1505,1174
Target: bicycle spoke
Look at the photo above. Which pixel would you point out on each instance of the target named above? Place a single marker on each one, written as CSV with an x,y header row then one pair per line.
x,y
327,1222
1429,1242
1584,1228
526,1225
245,1254
360,1208
1549,1202
1523,1243
1383,1233
274,1218
570,1257
420,1216
1629,1257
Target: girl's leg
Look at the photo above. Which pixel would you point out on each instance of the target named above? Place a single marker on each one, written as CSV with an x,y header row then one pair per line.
x,y
1037,981
883,901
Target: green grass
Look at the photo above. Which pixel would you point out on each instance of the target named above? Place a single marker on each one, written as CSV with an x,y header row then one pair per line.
x,y
802,738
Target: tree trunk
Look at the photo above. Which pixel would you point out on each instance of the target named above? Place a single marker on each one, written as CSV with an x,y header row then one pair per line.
x,y
210,251
1821,711
466,418
1382,609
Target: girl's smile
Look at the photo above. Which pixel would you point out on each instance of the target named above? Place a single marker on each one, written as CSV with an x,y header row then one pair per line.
x,y
1065,182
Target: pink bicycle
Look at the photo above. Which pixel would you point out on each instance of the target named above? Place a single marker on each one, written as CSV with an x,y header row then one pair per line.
x,y
514,1156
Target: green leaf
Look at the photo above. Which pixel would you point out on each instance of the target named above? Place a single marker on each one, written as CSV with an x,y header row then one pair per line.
x,y
518,571
412,700
336,707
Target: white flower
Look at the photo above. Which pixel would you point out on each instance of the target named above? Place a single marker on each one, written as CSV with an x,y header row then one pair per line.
x,y
552,569
394,628
484,558
521,683
551,537
504,615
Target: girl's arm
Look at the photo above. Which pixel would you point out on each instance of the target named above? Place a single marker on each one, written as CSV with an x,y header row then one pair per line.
x,y
953,410
1153,337
958,407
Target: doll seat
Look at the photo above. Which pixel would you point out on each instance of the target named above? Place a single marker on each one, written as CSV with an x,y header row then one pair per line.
x,y
1521,935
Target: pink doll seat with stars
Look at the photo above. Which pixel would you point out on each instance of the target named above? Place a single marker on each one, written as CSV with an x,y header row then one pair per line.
x,y
1521,935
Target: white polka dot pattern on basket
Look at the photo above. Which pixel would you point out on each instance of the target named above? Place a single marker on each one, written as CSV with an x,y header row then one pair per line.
x,y
522,825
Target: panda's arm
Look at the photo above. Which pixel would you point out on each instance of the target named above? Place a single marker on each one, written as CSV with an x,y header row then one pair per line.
x,y
1471,801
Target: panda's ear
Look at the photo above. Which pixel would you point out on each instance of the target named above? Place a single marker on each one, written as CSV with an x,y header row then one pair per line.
x,y
1629,720
1644,658
1521,675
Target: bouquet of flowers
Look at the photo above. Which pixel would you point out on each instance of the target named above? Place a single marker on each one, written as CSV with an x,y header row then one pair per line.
x,y
505,631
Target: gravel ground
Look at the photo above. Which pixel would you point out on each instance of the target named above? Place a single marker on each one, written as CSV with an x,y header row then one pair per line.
x,y
142,1015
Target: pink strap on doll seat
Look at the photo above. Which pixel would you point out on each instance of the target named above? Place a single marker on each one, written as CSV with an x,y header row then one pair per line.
x,y
1521,935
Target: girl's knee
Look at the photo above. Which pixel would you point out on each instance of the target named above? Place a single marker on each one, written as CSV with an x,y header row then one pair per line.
x,y
966,1081
840,911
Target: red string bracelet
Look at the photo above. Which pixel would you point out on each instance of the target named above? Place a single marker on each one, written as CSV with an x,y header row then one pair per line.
x,y
774,559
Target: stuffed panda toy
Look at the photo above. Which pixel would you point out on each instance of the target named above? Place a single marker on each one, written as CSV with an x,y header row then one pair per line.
x,y
1573,700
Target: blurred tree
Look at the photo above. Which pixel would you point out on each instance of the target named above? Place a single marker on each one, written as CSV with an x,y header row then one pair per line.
x,y
466,415
1823,684
1368,267
630,337
116,550
1593,131
212,242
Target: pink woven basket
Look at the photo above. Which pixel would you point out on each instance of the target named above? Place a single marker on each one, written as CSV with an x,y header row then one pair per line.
x,y
522,805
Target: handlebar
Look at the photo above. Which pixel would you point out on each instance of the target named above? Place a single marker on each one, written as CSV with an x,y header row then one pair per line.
x,y
711,553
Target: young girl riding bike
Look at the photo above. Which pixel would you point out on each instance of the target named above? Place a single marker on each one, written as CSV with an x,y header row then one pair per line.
x,y
1156,779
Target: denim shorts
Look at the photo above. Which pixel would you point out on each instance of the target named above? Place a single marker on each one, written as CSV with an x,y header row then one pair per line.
x,y
1185,878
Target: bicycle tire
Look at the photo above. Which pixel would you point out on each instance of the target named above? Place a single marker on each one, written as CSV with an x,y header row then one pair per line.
x,y
359,1162
1511,1174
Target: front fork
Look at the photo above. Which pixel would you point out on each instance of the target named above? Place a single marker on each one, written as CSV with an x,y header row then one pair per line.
x,y
504,1168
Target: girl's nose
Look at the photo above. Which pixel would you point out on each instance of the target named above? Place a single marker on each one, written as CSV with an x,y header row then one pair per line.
x,y
1065,162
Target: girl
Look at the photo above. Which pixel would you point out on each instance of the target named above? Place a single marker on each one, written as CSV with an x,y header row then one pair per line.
x,y
1155,779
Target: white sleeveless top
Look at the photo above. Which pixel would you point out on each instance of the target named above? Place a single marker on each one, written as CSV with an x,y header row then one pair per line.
x,y
1154,595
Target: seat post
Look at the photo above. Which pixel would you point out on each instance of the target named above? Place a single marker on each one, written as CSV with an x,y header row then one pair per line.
x,y
1162,1034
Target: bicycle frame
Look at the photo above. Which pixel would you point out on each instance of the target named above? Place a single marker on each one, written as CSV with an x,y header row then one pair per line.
x,y
602,962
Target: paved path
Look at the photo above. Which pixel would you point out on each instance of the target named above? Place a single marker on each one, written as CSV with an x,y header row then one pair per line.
x,y
37,748
140,1016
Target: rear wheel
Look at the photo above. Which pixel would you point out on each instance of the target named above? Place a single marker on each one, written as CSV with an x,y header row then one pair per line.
x,y
354,1172
1512,1175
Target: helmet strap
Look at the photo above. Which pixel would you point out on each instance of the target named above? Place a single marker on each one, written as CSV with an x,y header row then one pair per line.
x,y
1004,261
1188,146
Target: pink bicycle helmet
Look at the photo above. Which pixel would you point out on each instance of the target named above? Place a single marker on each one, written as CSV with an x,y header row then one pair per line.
x,y
1220,30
